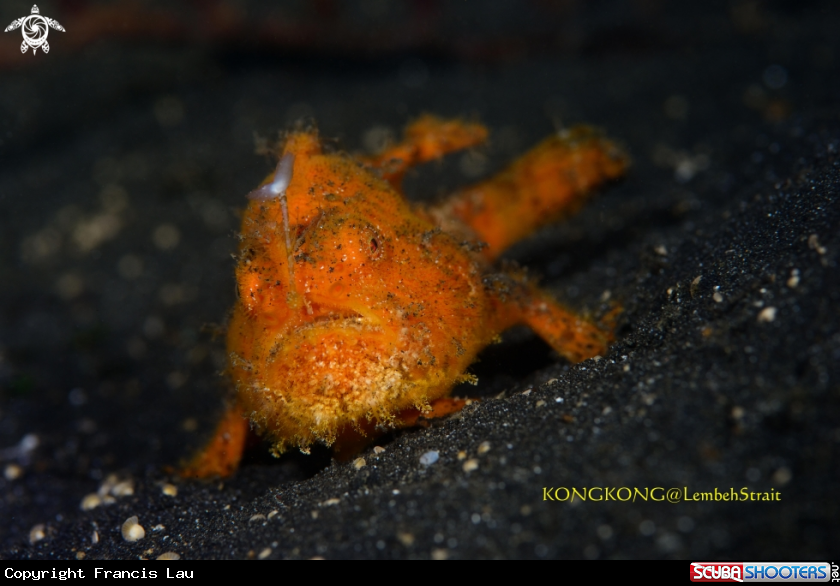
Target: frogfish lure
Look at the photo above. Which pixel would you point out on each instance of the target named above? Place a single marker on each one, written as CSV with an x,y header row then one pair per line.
x,y
279,183
357,310
276,189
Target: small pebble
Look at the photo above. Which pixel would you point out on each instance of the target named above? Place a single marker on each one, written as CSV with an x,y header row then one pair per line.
x,y
132,530
378,449
470,465
717,297
331,502
359,463
265,553
539,403
793,281
462,455
407,539
169,555
256,517
80,555
440,554
169,489
484,447
814,244
12,472
271,515
429,458
158,527
94,539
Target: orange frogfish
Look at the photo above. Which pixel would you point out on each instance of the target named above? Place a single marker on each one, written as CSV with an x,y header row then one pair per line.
x,y
357,308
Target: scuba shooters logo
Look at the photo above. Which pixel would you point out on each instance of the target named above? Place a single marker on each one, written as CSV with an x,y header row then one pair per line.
x,y
713,572
35,29
763,572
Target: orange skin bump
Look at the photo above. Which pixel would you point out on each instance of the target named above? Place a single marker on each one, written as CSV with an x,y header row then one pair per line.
x,y
387,304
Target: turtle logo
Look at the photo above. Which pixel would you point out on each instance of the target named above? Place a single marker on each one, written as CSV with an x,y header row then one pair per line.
x,y
35,30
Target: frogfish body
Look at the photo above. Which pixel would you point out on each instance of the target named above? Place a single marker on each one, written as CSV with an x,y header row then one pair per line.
x,y
356,307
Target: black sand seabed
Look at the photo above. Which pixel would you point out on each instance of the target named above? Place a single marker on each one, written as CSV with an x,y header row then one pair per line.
x,y
122,168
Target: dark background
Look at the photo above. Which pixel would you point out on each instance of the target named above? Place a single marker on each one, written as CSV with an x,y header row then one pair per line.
x,y
125,154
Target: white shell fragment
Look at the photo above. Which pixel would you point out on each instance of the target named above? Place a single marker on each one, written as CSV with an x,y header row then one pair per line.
x,y
37,533
169,555
132,530
90,502
767,315
470,465
124,488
